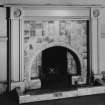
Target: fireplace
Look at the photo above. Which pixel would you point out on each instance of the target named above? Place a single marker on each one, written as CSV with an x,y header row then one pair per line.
x,y
54,51
55,72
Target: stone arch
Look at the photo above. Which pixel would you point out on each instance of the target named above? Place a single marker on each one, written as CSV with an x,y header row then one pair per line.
x,y
45,46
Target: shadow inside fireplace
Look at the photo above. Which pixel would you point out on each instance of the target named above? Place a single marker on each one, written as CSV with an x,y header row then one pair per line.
x,y
54,74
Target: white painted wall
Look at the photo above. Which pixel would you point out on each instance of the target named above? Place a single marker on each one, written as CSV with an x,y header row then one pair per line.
x,y
3,50
3,60
3,46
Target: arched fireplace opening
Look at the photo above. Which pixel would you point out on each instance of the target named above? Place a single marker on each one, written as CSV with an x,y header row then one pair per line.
x,y
58,65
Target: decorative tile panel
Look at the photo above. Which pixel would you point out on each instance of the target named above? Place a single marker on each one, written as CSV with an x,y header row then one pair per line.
x,y
38,34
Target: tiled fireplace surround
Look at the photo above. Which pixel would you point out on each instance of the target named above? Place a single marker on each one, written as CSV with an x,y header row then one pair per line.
x,y
36,32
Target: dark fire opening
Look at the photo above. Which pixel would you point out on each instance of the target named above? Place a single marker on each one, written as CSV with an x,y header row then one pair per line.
x,y
54,73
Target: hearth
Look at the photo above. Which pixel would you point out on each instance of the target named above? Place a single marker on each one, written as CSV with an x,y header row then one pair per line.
x,y
54,51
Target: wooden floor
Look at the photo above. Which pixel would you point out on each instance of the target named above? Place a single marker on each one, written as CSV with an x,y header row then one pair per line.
x,y
6,99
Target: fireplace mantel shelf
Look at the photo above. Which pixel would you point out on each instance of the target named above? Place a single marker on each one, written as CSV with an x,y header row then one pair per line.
x,y
52,5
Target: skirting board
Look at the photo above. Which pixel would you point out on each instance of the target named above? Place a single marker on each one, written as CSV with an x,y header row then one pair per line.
x,y
60,95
